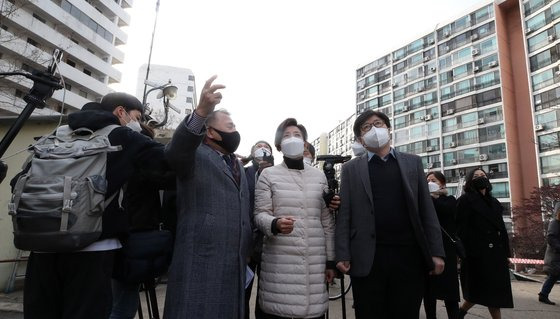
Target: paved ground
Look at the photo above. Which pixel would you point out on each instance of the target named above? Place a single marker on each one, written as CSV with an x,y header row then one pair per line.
x,y
525,299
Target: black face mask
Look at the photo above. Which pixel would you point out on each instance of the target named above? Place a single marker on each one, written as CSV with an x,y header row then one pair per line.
x,y
480,183
229,142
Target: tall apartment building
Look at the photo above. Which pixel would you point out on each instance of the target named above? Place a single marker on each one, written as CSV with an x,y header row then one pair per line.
x,y
480,90
89,32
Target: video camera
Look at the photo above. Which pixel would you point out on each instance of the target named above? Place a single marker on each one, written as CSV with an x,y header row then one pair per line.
x,y
330,173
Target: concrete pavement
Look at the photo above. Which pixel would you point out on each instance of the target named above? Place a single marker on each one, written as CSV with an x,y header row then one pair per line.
x,y
524,294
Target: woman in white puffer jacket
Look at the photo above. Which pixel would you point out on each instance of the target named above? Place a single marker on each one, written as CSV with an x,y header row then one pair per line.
x,y
299,232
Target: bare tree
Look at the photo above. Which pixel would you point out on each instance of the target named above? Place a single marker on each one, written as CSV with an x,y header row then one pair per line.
x,y
530,220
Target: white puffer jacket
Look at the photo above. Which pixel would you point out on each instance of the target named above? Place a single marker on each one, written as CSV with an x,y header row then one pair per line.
x,y
292,278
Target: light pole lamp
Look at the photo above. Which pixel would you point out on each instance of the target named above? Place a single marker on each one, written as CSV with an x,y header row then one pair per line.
x,y
168,92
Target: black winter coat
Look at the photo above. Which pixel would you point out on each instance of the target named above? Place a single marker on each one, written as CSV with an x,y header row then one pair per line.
x,y
446,285
552,255
485,276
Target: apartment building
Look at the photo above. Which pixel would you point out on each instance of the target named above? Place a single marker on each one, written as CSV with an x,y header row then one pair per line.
x,y
89,32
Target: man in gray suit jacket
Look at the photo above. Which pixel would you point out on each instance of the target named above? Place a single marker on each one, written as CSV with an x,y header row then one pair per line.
x,y
387,233
207,273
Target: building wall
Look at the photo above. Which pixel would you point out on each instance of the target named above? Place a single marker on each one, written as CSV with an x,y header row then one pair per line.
x,y
87,66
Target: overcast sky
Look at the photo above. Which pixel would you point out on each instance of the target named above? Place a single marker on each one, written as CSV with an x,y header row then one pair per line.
x,y
279,59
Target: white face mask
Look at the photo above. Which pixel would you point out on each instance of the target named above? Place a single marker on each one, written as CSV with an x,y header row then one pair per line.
x,y
358,149
377,137
433,187
135,126
292,147
308,161
261,152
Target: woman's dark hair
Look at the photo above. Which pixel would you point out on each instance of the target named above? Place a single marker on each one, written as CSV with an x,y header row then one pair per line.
x,y
439,176
362,118
469,188
311,149
282,127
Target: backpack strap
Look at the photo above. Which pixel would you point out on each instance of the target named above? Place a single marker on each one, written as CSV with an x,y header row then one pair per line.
x,y
13,205
66,203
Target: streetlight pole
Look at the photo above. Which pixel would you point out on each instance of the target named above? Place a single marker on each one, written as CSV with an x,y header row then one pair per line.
x,y
150,55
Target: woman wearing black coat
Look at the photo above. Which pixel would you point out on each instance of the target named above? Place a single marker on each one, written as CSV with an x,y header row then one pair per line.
x,y
552,256
485,277
446,285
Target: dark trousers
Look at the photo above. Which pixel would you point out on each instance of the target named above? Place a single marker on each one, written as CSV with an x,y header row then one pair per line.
x,y
255,267
68,286
394,287
451,306
269,316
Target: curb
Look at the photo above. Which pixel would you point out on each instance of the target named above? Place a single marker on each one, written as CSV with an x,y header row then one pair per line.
x,y
11,307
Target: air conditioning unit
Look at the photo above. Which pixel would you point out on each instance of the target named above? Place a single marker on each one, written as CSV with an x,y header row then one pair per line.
x,y
422,118
405,109
475,52
433,69
551,38
395,84
431,41
428,117
539,127
483,157
481,120
474,37
430,165
454,161
447,48
453,144
420,89
449,111
538,102
493,64
557,73
528,30
446,33
429,149
476,69
426,58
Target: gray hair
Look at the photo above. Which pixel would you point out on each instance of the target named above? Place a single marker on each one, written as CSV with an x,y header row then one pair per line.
x,y
212,117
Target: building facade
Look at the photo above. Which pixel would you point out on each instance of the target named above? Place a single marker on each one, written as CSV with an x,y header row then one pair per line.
x,y
88,32
182,78
479,91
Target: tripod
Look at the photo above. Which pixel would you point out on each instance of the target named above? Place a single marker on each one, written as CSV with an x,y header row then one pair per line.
x,y
149,288
44,85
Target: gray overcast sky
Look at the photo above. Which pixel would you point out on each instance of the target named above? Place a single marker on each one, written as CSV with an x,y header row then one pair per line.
x,y
279,59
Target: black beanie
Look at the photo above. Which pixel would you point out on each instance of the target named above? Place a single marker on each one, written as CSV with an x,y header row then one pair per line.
x,y
112,100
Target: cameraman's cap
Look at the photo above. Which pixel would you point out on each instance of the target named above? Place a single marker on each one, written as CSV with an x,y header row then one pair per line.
x,y
113,100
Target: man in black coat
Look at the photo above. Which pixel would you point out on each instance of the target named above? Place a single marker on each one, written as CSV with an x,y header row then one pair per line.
x,y
387,233
78,284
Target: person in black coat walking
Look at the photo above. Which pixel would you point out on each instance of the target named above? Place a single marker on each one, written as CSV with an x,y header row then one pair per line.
x,y
446,285
485,277
552,256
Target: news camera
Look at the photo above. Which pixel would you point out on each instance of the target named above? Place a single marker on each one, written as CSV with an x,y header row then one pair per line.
x,y
330,171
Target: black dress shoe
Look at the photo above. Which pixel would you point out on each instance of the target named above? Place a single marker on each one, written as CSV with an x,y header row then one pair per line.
x,y
544,299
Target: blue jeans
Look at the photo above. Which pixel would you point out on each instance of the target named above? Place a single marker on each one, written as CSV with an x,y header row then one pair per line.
x,y
125,300
548,284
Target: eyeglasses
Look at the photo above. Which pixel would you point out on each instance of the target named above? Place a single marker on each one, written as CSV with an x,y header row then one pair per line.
x,y
367,126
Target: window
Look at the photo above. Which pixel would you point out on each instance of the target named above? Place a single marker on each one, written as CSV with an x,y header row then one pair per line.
x,y
532,6
88,72
67,86
71,63
547,99
500,190
550,164
18,93
543,79
36,16
83,94
549,142
33,42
